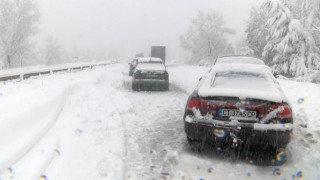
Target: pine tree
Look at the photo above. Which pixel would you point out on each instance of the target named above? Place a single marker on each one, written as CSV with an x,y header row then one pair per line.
x,y
257,31
278,19
311,18
291,48
299,49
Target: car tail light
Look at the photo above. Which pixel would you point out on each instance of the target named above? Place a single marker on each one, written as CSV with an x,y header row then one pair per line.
x,y
137,76
207,105
165,76
193,103
285,112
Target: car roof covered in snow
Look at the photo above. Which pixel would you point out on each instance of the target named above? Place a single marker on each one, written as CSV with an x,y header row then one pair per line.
x,y
239,59
241,67
243,81
150,67
149,59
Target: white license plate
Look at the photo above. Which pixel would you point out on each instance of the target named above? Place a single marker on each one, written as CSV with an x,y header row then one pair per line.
x,y
237,113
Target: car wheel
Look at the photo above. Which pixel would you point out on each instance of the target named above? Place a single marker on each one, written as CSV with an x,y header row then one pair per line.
x,y
134,87
138,87
166,87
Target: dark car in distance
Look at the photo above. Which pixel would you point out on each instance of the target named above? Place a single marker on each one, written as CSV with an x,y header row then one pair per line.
x,y
238,104
150,73
132,65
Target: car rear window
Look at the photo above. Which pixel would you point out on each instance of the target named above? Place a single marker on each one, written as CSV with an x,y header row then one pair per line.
x,y
234,74
241,80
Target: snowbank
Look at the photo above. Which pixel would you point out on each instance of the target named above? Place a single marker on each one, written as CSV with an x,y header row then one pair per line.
x,y
82,141
25,121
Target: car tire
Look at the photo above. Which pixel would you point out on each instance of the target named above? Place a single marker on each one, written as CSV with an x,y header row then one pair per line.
x,y
138,87
134,87
166,87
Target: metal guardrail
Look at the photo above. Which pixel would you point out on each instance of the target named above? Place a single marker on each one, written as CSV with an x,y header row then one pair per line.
x,y
11,77
51,70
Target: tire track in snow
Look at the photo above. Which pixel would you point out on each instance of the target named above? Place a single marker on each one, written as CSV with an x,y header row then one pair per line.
x,y
125,109
43,121
155,131
91,132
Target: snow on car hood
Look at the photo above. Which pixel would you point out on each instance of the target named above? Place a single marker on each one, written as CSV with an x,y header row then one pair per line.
x,y
150,67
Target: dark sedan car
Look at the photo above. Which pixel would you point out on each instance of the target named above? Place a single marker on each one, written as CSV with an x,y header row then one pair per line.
x,y
238,103
150,73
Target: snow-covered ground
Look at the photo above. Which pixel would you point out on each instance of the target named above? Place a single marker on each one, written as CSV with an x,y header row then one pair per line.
x,y
91,125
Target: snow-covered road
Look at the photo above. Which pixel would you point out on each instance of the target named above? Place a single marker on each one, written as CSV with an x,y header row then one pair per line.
x,y
154,133
104,130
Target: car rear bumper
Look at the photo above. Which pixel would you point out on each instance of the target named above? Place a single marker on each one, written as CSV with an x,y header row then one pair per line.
x,y
150,82
242,133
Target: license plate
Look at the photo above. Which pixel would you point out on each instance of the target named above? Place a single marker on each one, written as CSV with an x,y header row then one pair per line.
x,y
151,75
237,113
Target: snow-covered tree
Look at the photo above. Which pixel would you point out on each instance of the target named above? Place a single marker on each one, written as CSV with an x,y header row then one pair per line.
x,y
257,31
18,20
205,37
310,17
247,51
277,22
299,49
52,52
290,48
308,13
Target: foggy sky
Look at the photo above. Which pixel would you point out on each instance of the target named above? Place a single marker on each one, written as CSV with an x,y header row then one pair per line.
x,y
121,28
